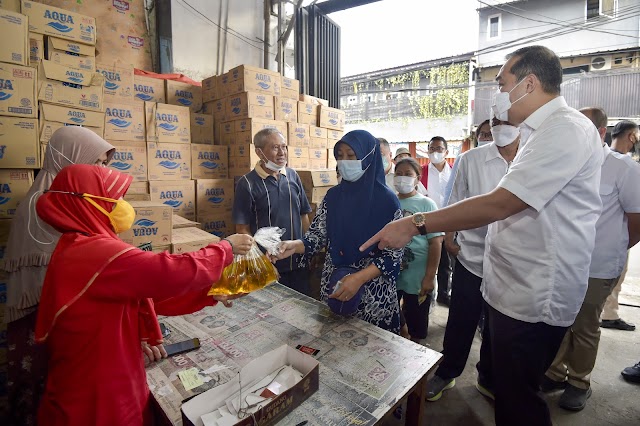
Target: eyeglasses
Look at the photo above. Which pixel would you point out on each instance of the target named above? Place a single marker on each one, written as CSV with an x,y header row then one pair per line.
x,y
437,149
485,135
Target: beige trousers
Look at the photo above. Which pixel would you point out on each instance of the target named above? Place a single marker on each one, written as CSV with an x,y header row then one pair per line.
x,y
610,311
577,354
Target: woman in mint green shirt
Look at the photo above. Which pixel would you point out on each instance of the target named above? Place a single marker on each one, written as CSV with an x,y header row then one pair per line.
x,y
421,255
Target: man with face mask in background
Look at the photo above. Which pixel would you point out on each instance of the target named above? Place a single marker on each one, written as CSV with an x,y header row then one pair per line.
x,y
435,177
542,219
477,172
272,195
625,136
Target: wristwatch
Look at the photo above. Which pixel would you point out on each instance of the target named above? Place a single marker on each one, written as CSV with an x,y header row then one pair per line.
x,y
418,220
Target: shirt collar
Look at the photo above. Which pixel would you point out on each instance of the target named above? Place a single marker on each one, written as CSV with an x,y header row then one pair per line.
x,y
536,119
492,153
444,170
260,171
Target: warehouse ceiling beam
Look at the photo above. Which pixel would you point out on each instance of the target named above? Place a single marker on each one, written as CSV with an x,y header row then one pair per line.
x,y
331,6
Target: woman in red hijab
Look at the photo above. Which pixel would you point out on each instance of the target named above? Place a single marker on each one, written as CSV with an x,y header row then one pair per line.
x,y
98,300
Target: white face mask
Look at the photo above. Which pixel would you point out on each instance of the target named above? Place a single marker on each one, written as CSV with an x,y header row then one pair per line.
x,y
404,184
483,143
503,104
504,134
270,164
436,157
351,170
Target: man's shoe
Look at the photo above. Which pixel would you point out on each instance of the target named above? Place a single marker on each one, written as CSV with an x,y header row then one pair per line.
x,y
632,374
436,386
444,299
486,391
618,324
574,399
549,385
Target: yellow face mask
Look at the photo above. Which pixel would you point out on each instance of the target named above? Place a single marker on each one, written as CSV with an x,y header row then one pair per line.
x,y
122,215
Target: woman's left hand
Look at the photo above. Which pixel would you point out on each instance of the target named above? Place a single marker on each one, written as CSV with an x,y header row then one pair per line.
x,y
349,287
153,353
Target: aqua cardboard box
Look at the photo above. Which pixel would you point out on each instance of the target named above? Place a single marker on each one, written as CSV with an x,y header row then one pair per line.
x,y
178,194
71,54
181,222
202,128
140,187
318,132
118,85
70,87
19,147
53,117
209,161
286,109
167,123
243,150
210,89
184,94
311,120
153,224
52,21
245,130
331,118
148,89
317,164
316,178
36,49
12,5
299,163
130,158
124,122
313,100
298,152
14,38
298,135
332,163
318,143
217,108
246,78
190,239
214,196
308,108
168,161
219,224
290,88
318,154
14,185
249,105
18,91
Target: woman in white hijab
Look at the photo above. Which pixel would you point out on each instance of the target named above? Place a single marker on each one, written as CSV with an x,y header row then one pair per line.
x,y
28,252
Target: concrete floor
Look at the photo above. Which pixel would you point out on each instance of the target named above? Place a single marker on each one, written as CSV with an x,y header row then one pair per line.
x,y
614,401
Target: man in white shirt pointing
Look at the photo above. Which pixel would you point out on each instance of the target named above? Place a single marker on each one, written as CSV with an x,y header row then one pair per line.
x,y
541,235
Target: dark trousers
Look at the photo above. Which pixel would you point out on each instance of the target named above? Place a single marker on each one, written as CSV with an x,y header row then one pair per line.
x,y
521,352
464,313
297,279
444,273
415,314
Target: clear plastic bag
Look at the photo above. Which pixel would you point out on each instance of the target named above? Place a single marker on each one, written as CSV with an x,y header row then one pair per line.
x,y
253,270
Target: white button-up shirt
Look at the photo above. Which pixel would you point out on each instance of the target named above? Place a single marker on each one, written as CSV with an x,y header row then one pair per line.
x,y
536,264
620,194
437,184
478,172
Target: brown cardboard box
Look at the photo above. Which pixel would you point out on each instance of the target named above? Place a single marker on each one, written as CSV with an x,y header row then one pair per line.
x,y
290,88
118,85
331,118
313,100
153,224
316,195
246,78
286,109
308,119
214,196
316,178
201,128
240,166
53,117
161,249
19,147
318,154
298,152
244,150
186,240
124,122
332,163
316,164
209,161
179,194
14,38
14,185
298,135
318,143
17,91
243,131
335,134
149,89
299,163
130,158
141,187
332,143
137,197
168,161
70,87
317,132
249,105
184,94
36,49
181,222
217,108
167,123
52,21
71,54
308,108
219,224
210,89
12,5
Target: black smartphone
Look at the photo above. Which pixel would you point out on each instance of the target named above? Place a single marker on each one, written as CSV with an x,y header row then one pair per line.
x,y
181,347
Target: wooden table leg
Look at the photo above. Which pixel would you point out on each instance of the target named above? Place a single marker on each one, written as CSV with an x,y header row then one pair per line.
x,y
416,403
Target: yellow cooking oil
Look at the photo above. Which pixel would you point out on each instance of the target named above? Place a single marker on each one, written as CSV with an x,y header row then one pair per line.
x,y
244,276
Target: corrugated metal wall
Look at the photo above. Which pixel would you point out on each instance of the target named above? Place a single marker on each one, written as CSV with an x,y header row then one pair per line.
x,y
616,91
318,55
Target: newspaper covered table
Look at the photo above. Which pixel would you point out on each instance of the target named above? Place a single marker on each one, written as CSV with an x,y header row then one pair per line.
x,y
364,371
